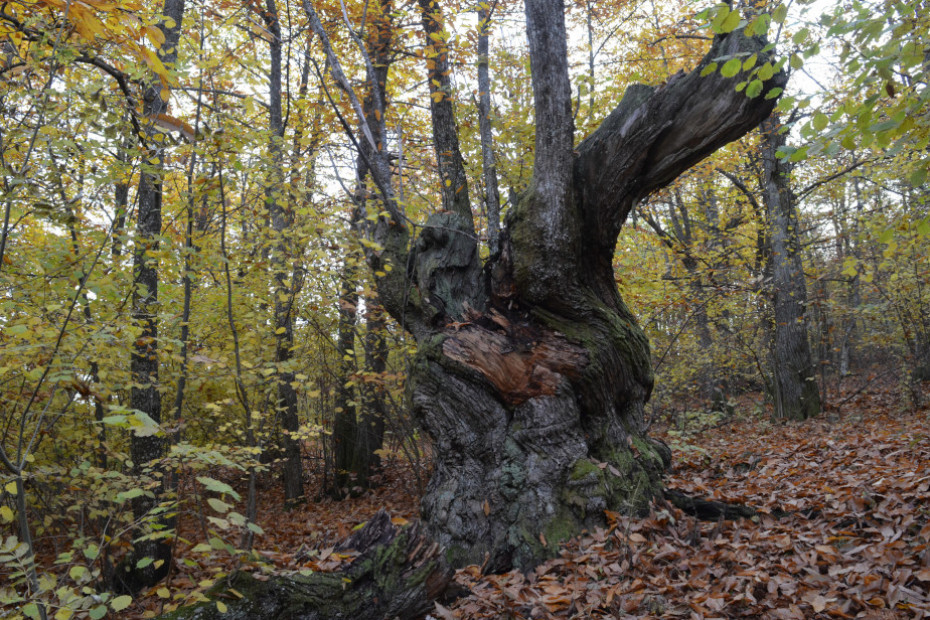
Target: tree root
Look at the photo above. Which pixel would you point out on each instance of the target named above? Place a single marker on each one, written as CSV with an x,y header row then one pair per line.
x,y
400,572
707,510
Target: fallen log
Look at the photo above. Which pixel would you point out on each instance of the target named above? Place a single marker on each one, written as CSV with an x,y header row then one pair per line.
x,y
399,573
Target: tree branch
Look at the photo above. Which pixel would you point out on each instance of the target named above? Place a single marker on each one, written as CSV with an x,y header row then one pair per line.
x,y
655,134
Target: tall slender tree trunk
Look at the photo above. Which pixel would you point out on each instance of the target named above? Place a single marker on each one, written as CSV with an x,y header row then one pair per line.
x,y
371,420
492,197
281,219
795,387
345,423
531,372
358,431
145,396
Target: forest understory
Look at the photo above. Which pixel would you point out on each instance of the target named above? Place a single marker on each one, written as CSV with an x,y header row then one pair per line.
x,y
855,543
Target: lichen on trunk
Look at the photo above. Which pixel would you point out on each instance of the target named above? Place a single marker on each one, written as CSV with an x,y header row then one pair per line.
x,y
531,372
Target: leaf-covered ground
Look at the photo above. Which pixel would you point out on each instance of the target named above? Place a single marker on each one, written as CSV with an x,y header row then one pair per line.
x,y
854,544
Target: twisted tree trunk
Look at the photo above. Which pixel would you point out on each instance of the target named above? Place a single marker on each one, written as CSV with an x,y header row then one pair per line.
x,y
531,372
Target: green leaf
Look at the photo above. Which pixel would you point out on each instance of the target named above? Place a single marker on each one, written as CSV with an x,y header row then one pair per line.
x,y
731,67
6,515
800,35
97,612
723,12
216,486
799,154
774,92
731,22
750,62
31,610
766,72
754,89
121,602
77,572
780,13
16,330
820,121
130,494
709,69
144,562
923,227
218,505
918,178
796,61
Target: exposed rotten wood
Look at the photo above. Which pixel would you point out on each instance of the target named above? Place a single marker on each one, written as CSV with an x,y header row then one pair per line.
x,y
521,364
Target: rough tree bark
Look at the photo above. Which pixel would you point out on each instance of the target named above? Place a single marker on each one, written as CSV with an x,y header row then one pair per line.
x,y
281,217
371,423
345,422
797,396
492,197
398,574
357,438
531,372
145,396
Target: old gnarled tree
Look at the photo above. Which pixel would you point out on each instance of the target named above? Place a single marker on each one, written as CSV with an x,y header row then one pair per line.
x,y
531,372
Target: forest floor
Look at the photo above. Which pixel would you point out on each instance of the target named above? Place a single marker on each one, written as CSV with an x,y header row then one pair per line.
x,y
854,544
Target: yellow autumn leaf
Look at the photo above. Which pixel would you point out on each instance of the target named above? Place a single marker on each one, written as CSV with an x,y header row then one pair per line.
x,y
153,61
155,35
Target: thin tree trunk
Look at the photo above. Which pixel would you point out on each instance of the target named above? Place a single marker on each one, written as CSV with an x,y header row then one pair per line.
x,y
796,394
345,423
371,421
356,439
281,218
121,200
492,195
145,395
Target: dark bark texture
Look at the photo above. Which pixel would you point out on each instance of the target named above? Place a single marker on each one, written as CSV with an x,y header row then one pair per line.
x,y
145,396
534,392
281,216
399,574
796,394
531,372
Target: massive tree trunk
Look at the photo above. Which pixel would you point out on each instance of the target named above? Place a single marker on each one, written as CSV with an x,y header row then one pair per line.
x,y
795,387
145,396
531,372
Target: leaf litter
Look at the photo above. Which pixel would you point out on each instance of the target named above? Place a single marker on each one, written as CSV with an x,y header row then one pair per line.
x,y
842,531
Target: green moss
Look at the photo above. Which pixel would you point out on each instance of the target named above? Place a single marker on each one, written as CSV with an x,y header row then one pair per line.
x,y
560,528
583,468
649,454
